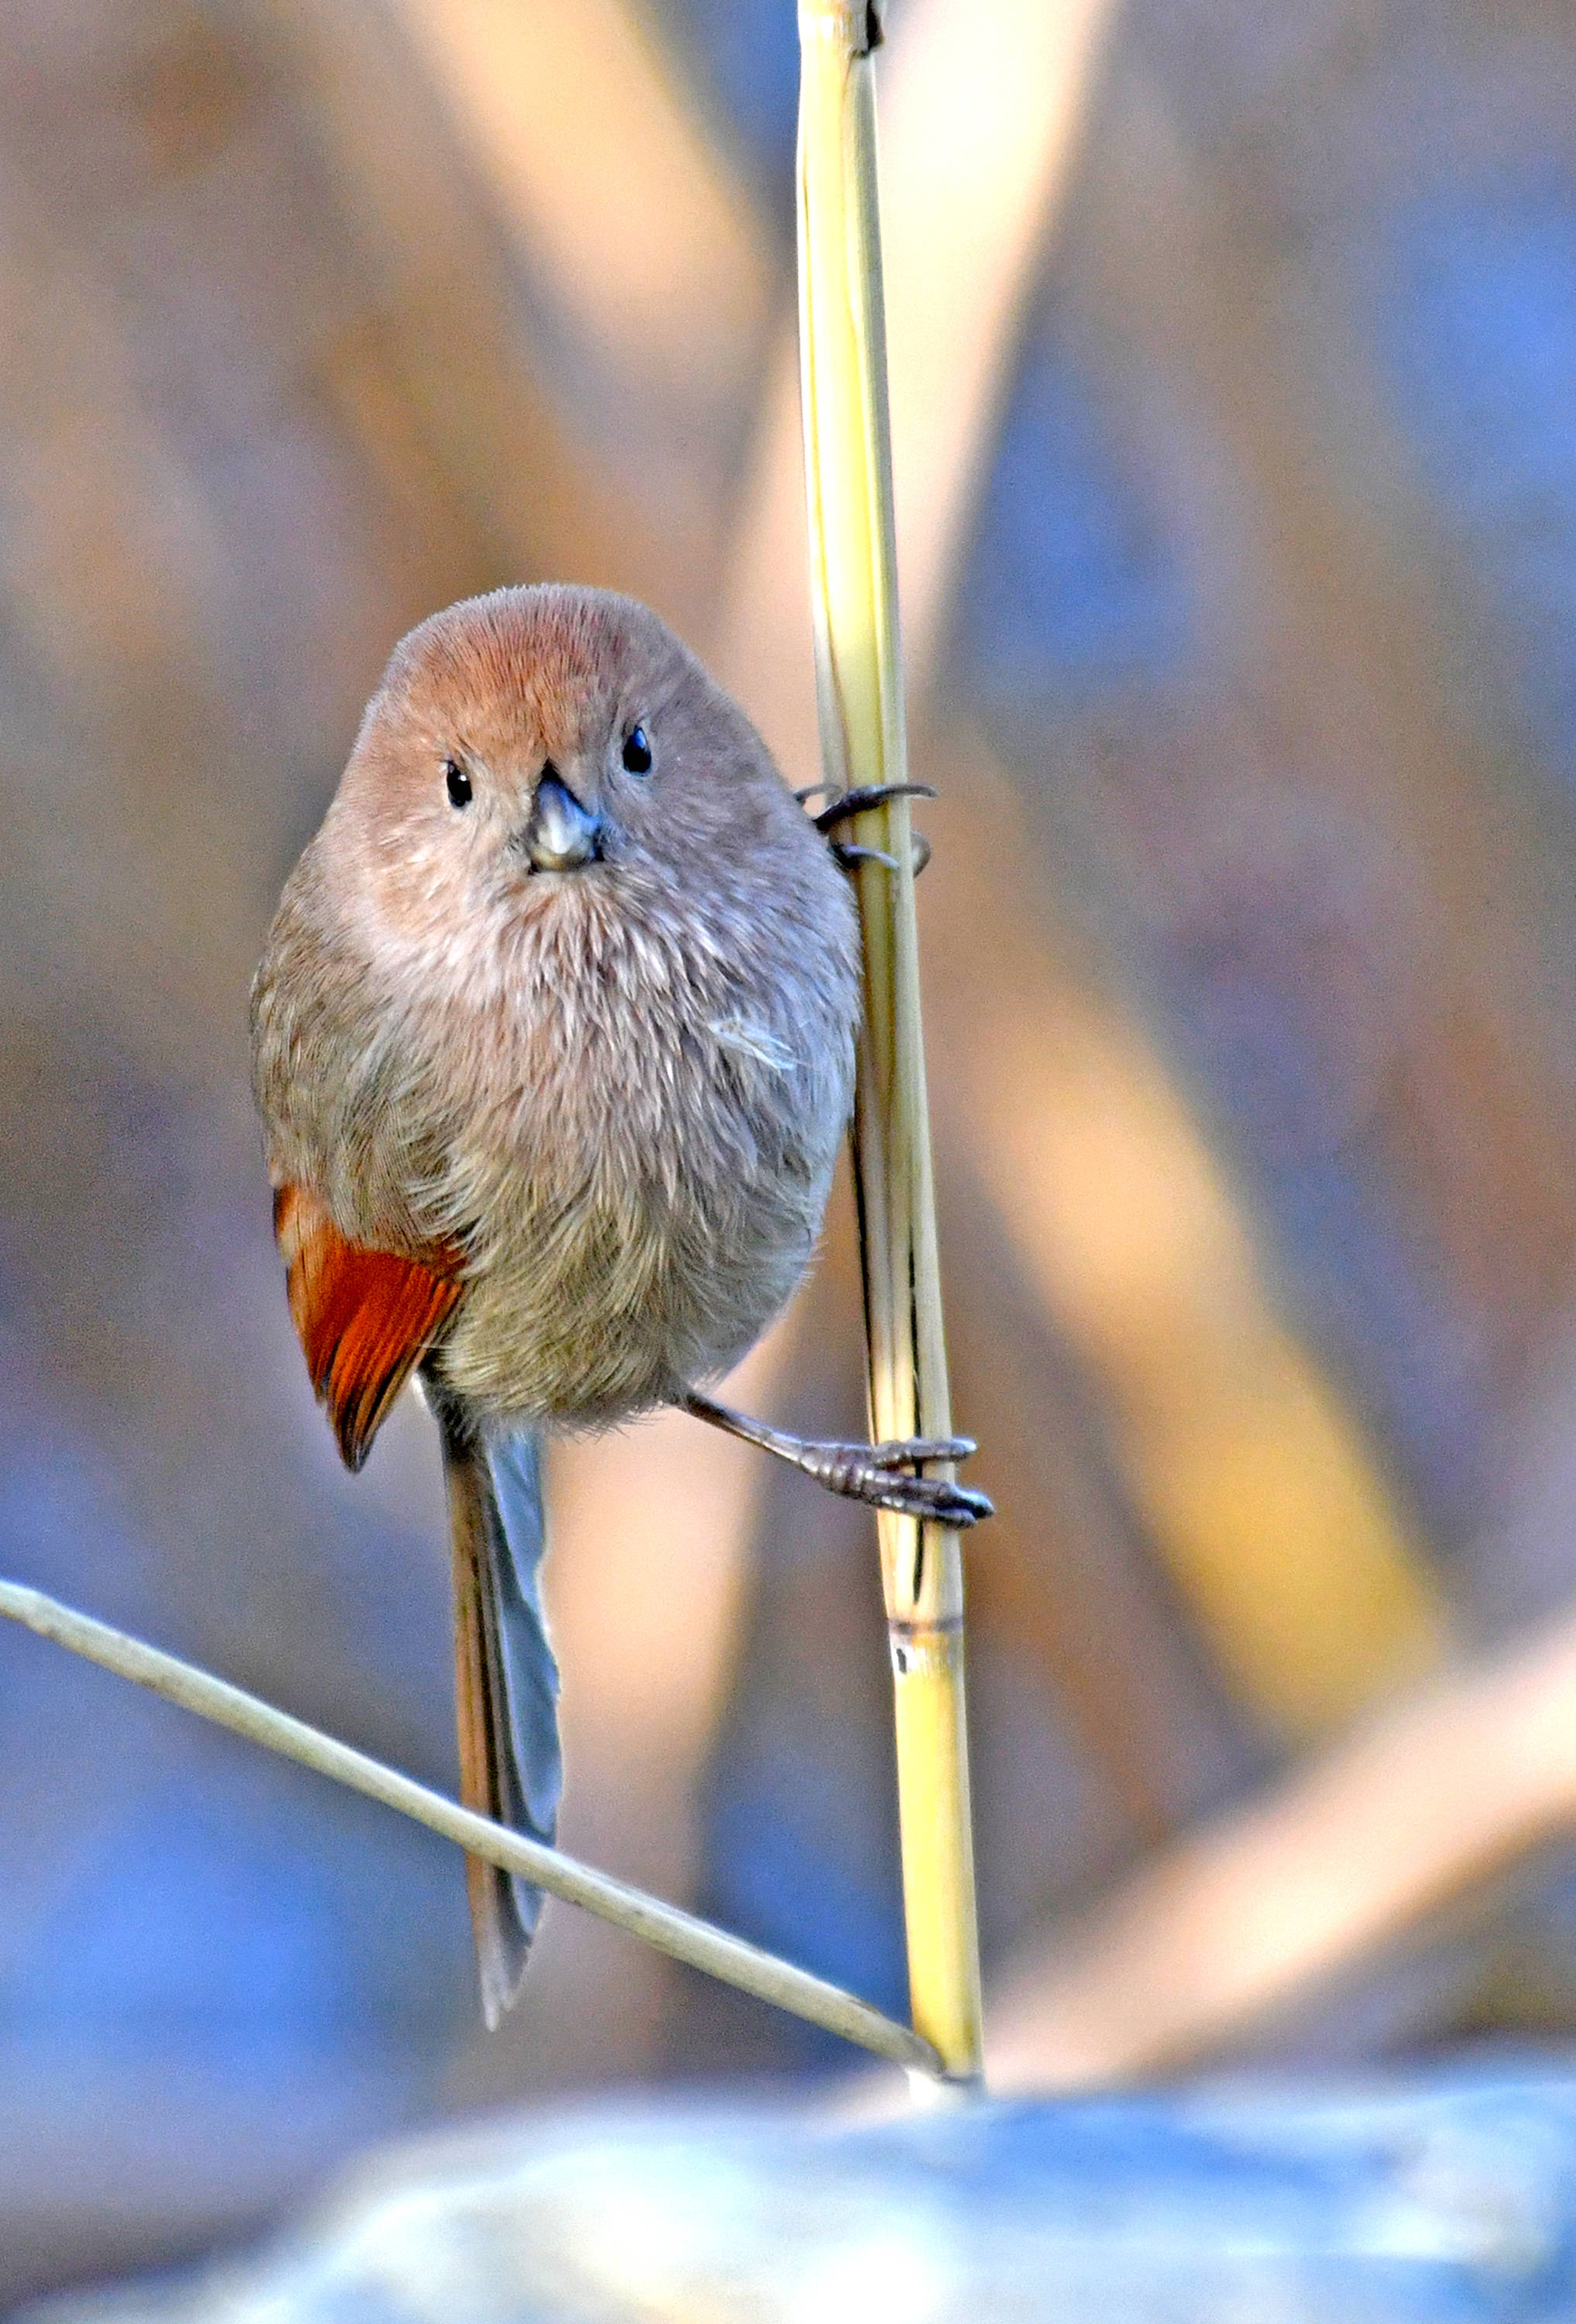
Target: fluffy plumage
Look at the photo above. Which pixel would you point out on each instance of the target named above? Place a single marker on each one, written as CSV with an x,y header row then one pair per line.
x,y
562,1136
616,1090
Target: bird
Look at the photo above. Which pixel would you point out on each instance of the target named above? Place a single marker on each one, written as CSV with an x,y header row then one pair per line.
x,y
553,1045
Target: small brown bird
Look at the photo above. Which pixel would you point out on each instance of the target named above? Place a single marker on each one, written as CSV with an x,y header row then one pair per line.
x,y
553,1044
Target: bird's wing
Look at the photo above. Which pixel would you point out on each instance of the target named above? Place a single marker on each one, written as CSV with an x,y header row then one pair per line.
x,y
507,1680
365,1318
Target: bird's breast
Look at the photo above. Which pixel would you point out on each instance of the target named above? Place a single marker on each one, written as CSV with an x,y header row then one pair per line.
x,y
642,1179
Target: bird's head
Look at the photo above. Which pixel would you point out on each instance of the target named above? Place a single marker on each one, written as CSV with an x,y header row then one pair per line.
x,y
542,754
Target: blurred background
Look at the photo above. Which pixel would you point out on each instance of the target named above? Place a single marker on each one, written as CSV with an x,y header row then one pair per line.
x,y
1234,349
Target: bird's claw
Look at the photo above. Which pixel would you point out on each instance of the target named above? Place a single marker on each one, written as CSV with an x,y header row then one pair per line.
x,y
859,801
876,1475
861,798
848,854
899,1450
935,1498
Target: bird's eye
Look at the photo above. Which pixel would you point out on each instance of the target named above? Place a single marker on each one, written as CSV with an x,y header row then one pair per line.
x,y
456,782
637,753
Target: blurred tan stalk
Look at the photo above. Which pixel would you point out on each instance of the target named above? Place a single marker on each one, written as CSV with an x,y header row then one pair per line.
x,y
977,140
1269,1905
1256,1484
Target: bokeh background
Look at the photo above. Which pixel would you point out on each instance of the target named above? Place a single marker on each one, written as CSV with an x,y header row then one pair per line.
x,y
1235,399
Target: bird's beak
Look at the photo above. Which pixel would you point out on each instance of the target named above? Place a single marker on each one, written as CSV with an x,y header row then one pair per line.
x,y
561,832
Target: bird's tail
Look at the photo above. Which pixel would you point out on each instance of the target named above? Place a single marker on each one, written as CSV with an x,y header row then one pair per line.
x,y
506,1679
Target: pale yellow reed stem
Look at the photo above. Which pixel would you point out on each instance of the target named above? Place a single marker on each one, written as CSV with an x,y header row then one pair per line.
x,y
675,1932
859,684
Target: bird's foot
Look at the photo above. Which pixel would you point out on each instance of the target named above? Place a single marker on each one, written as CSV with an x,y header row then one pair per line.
x,y
881,1476
846,805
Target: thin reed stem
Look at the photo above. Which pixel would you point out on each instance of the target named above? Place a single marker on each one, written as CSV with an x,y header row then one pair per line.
x,y
863,740
672,1932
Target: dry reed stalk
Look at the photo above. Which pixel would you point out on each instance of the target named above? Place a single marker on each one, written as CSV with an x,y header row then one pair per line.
x,y
1347,1859
859,687
671,1930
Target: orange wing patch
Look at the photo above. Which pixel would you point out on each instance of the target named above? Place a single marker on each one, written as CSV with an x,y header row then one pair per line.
x,y
365,1318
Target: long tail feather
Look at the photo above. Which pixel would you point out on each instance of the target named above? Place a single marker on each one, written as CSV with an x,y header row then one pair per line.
x,y
506,1680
